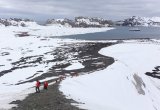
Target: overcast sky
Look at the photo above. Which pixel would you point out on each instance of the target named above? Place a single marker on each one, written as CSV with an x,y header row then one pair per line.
x,y
109,9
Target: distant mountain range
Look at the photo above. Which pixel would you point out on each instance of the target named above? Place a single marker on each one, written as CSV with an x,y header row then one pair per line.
x,y
85,22
100,22
139,21
82,22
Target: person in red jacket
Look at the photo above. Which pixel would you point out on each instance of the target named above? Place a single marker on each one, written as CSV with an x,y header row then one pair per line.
x,y
37,86
45,85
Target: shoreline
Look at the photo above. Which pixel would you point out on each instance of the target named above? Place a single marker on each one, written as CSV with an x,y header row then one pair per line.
x,y
92,61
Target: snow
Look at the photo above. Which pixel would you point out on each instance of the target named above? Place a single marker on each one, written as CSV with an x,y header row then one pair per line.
x,y
59,30
36,44
123,85
87,21
74,65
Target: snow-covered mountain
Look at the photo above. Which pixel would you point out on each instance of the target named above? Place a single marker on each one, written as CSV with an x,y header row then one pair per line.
x,y
92,22
17,22
84,22
81,22
62,22
140,21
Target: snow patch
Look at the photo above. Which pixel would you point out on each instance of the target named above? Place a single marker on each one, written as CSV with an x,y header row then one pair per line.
x,y
75,65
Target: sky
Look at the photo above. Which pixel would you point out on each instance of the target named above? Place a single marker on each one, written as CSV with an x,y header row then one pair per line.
x,y
40,10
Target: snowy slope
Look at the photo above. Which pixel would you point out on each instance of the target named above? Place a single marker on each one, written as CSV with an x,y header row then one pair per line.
x,y
123,85
36,43
17,48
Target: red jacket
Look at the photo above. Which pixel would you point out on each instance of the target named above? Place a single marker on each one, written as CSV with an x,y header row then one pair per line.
x,y
45,84
38,84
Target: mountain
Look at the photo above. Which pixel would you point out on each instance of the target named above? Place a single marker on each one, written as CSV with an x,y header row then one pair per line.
x,y
85,22
81,22
17,22
139,21
65,22
92,22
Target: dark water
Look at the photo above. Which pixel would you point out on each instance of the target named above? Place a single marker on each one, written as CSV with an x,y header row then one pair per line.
x,y
120,33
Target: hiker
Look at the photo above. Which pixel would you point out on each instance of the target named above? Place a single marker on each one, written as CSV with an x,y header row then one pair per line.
x,y
45,85
37,86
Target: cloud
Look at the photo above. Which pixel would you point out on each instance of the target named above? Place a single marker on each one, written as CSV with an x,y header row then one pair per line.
x,y
111,9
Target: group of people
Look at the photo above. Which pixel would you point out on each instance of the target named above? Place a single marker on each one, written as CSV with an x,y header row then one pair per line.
x,y
45,84
38,84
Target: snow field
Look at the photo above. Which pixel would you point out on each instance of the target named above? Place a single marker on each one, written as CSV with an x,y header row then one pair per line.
x,y
123,85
